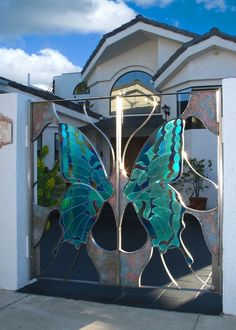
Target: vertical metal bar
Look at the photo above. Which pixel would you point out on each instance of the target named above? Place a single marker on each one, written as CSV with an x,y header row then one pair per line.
x,y
217,260
30,189
220,185
119,118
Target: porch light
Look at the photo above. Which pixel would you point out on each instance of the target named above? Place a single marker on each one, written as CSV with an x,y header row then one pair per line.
x,y
166,111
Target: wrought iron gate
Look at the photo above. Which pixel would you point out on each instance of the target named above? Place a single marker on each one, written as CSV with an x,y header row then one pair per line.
x,y
149,188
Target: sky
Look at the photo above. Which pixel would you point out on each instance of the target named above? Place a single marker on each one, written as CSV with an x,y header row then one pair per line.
x,y
47,38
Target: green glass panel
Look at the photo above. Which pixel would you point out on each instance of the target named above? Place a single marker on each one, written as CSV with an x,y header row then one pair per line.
x,y
79,208
161,213
156,202
90,187
80,162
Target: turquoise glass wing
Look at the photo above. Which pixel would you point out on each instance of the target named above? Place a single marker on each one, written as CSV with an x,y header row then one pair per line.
x,y
157,204
161,212
80,209
90,188
80,162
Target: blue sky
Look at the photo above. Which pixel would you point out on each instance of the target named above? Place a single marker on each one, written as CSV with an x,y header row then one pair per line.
x,y
47,38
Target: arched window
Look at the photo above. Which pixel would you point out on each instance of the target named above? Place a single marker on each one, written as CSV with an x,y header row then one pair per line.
x,y
81,88
134,83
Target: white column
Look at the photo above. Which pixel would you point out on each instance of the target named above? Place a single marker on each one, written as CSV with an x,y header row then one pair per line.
x,y
14,260
229,204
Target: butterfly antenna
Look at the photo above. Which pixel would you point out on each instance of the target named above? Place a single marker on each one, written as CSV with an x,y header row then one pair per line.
x,y
168,272
53,256
72,266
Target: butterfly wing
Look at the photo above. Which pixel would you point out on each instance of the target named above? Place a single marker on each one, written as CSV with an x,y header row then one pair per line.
x,y
80,162
157,204
90,188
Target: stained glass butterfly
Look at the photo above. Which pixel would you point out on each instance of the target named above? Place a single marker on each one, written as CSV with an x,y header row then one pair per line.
x,y
156,202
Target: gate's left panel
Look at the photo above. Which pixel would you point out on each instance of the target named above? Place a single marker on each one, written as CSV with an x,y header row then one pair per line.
x,y
51,258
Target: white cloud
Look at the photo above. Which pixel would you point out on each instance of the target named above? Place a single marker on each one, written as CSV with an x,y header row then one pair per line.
x,y
214,4
173,22
149,3
59,16
16,63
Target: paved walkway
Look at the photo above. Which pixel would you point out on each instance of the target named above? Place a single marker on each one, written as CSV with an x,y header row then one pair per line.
x,y
31,312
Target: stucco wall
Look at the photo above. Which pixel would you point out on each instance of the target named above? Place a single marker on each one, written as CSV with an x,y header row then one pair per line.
x,y
166,48
14,259
65,84
208,67
229,210
147,57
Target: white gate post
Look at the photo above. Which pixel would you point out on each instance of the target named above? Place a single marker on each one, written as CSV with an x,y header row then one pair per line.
x,y
229,196
14,199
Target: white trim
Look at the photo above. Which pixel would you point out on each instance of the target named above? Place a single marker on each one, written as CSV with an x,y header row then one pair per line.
x,y
128,69
191,52
139,26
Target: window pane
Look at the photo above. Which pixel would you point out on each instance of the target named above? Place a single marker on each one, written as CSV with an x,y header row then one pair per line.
x,y
134,83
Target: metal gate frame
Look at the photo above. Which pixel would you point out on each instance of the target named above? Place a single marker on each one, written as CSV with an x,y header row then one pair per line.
x,y
205,105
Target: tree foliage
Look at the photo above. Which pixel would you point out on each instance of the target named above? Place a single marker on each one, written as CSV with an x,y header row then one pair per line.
x,y
190,182
50,183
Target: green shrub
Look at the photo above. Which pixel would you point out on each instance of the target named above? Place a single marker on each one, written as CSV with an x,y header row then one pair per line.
x,y
50,183
191,183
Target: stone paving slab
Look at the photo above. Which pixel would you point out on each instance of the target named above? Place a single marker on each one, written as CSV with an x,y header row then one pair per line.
x,y
9,297
39,312
225,322
33,312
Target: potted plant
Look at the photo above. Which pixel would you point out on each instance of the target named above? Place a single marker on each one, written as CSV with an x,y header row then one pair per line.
x,y
192,184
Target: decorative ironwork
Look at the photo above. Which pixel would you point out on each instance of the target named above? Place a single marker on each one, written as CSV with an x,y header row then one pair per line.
x,y
156,202
202,105
106,262
132,265
210,227
158,205
41,215
43,114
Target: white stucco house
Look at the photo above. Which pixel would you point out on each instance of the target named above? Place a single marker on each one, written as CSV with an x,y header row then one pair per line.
x,y
166,60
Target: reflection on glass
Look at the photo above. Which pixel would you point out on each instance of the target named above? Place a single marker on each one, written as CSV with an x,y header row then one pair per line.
x,y
81,88
135,83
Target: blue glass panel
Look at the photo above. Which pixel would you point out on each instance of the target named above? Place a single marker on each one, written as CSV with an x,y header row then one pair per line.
x,y
156,202
90,188
80,162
